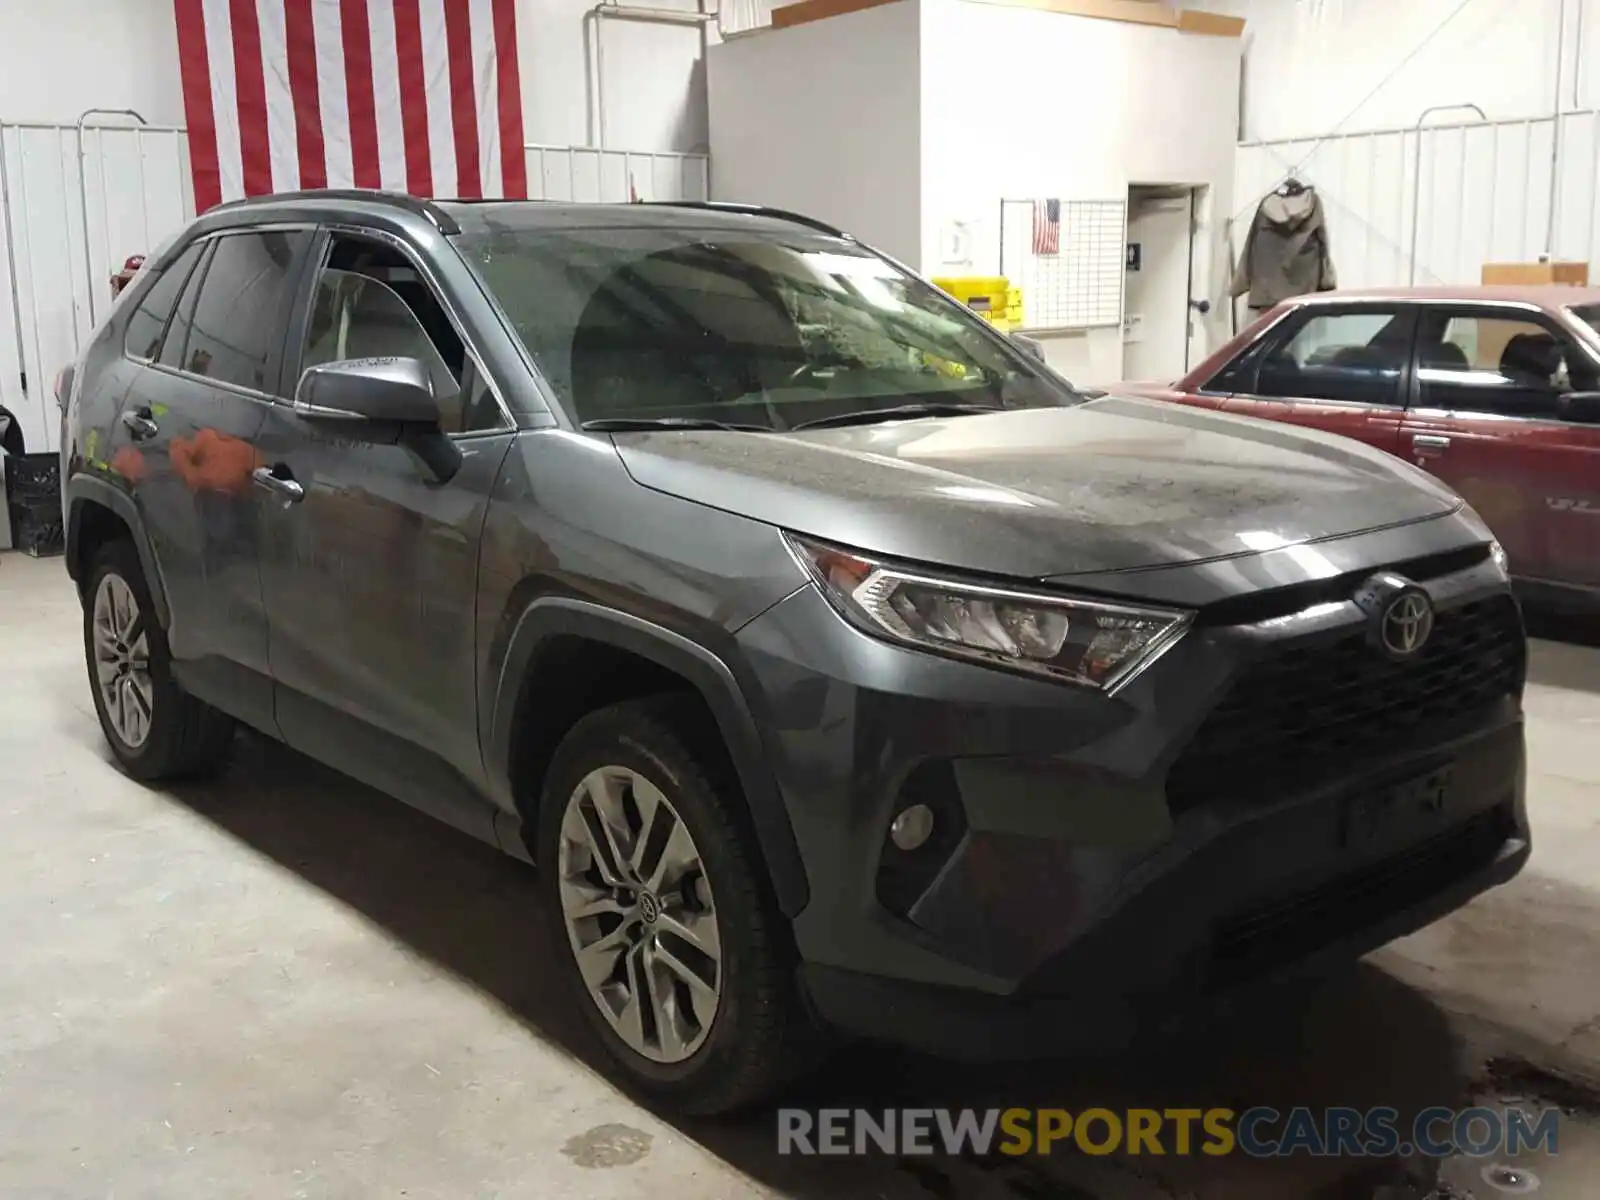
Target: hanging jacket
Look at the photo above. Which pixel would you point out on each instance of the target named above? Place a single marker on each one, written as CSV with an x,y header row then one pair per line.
x,y
1286,252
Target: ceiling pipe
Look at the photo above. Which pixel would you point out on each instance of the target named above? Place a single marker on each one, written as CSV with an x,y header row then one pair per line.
x,y
1416,189
1555,135
1577,57
654,16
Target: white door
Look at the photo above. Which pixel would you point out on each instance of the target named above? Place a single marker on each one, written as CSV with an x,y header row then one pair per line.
x,y
1156,305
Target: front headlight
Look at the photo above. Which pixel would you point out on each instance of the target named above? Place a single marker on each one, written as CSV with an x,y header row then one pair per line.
x,y
1501,560
1095,643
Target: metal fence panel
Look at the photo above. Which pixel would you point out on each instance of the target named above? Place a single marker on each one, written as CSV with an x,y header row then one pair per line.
x,y
70,219
589,175
1475,193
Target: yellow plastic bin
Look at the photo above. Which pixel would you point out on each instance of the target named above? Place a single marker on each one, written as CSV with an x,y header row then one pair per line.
x,y
990,296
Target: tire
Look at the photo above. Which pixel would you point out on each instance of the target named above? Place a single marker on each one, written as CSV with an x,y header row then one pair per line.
x,y
759,1034
182,737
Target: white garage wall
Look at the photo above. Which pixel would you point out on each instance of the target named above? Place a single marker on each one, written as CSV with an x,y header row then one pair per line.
x,y
823,119
1082,109
59,58
1316,65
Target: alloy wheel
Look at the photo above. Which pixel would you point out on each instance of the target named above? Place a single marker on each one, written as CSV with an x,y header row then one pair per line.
x,y
122,661
639,913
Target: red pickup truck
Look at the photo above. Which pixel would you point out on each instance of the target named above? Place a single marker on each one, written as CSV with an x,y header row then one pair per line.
x,y
1496,390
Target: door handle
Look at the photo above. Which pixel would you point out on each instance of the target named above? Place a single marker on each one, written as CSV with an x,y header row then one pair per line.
x,y
285,486
140,424
1429,445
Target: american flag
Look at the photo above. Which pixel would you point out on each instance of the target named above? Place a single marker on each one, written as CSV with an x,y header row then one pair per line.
x,y
1047,227
419,96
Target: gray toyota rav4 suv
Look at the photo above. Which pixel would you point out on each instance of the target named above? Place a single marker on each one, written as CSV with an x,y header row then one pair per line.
x,y
840,667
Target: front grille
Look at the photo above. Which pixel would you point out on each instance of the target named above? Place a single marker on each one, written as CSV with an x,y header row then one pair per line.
x,y
1317,711
1258,941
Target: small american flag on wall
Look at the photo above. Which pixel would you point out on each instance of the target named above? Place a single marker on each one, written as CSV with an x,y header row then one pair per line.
x,y
1047,227
421,96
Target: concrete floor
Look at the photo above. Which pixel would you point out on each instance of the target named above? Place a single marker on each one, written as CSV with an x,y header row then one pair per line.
x,y
283,984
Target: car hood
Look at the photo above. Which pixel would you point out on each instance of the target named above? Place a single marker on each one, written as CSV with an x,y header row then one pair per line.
x,y
1109,485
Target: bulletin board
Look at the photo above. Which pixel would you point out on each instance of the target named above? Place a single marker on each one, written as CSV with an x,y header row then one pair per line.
x,y
1080,285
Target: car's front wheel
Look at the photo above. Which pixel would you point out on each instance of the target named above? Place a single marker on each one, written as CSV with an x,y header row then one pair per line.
x,y
155,728
676,951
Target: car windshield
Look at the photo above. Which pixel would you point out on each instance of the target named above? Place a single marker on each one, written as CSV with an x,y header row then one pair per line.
x,y
748,329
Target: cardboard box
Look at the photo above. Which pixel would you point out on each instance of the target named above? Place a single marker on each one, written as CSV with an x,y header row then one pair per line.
x,y
1574,274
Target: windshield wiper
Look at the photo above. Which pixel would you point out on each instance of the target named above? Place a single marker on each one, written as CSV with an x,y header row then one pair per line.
x,y
634,424
898,412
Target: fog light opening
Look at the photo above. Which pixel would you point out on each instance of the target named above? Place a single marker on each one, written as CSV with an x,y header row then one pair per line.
x,y
911,827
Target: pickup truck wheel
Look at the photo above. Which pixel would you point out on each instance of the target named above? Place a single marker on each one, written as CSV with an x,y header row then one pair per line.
x,y
155,728
674,948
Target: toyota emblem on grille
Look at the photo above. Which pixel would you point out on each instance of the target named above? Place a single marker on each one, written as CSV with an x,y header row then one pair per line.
x,y
1399,614
1407,622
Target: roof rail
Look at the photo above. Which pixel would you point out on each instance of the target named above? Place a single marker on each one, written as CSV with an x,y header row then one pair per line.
x,y
753,210
441,219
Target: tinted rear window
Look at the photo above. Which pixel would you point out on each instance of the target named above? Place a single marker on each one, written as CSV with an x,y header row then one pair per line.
x,y
240,315
149,320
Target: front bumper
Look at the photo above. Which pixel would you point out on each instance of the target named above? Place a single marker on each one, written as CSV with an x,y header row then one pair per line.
x,y
1082,887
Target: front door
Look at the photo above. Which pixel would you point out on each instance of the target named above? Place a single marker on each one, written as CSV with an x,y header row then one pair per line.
x,y
1490,419
370,563
192,419
1337,369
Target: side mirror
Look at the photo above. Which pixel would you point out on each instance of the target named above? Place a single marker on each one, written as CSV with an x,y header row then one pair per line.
x,y
383,401
1029,346
1580,406
358,390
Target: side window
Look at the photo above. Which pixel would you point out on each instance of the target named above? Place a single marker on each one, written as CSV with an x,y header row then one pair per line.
x,y
240,313
148,322
1491,363
370,302
1240,374
357,316
172,346
1341,356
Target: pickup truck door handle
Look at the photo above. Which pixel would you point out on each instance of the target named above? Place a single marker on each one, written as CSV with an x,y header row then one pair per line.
x,y
141,424
1429,445
280,483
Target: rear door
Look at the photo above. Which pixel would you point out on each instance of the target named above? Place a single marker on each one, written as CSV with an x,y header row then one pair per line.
x,y
1489,418
192,420
1338,368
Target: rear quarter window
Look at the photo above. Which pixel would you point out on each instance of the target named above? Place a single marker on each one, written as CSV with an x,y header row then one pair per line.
x,y
149,320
